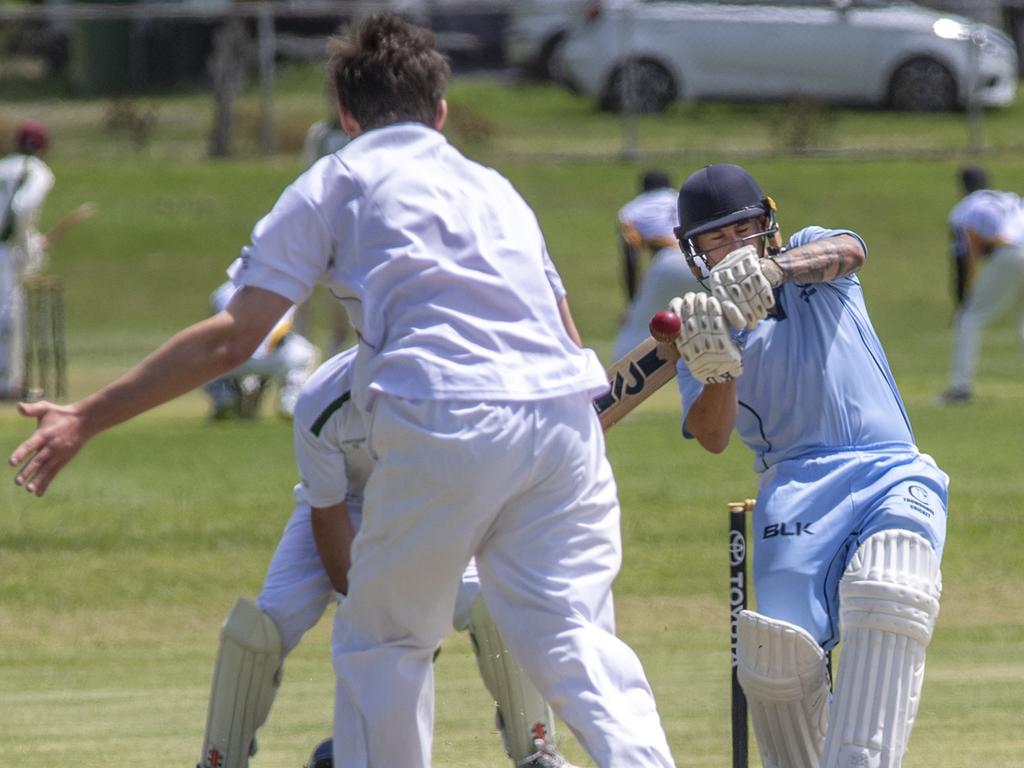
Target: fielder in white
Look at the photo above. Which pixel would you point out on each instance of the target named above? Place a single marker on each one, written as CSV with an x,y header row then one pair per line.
x,y
990,226
850,519
646,224
285,358
334,464
479,413
25,182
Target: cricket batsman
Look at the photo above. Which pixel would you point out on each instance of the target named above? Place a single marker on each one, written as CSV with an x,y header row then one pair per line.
x,y
850,519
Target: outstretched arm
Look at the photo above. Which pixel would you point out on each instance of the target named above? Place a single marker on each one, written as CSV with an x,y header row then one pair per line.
x,y
71,219
192,357
816,262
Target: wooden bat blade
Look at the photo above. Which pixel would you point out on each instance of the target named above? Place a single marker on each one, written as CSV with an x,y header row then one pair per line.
x,y
633,378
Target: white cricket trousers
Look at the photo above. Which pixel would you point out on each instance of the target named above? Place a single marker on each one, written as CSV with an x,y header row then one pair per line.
x,y
999,284
526,487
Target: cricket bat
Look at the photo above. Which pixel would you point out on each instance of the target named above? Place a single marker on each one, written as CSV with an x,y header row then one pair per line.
x,y
636,376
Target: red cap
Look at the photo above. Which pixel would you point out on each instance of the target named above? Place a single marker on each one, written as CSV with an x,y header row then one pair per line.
x,y
32,137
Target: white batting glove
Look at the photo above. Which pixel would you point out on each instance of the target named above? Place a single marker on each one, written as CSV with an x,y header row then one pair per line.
x,y
704,342
738,279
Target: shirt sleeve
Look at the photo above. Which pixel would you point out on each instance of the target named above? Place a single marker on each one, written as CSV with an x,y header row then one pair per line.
x,y
33,192
554,279
985,220
290,251
323,481
811,234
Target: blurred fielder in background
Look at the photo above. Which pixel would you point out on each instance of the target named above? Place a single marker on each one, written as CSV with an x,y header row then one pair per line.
x,y
310,569
988,236
285,358
850,519
25,182
479,401
646,225
324,137
972,178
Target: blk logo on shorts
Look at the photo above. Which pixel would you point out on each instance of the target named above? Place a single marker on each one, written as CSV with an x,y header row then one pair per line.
x,y
787,529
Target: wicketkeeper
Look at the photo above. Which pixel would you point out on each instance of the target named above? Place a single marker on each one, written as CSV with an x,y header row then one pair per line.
x,y
309,571
285,358
850,518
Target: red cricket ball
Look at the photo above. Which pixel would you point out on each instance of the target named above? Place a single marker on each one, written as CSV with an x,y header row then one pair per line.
x,y
665,326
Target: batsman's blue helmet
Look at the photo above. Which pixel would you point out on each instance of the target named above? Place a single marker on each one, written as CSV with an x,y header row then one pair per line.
x,y
323,755
716,196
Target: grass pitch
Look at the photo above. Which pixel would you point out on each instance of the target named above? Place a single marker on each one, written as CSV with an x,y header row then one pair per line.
x,y
114,585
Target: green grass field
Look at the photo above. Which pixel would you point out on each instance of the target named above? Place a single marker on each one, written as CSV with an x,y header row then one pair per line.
x,y
113,587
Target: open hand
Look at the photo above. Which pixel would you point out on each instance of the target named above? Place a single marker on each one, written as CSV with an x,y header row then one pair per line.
x,y
58,436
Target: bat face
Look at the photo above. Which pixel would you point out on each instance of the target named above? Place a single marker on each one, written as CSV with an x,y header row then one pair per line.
x,y
635,377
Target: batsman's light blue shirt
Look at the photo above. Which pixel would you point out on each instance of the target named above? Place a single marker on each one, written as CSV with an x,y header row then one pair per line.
x,y
815,379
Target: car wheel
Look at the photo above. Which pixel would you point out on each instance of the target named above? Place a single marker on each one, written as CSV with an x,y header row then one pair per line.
x,y
545,66
922,85
640,87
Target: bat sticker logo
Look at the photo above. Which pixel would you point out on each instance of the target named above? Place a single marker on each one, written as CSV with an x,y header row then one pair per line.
x,y
638,371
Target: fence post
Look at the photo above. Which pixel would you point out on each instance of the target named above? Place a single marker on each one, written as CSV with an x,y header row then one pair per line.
x,y
266,46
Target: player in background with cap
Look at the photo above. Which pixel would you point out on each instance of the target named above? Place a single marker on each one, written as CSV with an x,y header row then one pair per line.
x,y
850,519
987,227
309,571
25,182
479,399
646,224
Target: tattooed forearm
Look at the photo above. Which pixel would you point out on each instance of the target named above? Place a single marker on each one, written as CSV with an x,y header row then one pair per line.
x,y
820,261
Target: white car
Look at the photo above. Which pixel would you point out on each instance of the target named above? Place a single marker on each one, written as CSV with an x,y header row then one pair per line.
x,y
871,52
536,29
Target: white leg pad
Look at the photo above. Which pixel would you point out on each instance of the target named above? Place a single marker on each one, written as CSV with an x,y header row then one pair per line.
x,y
783,673
523,715
245,679
888,603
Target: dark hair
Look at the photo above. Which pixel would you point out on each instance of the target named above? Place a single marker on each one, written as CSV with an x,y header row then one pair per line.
x,y
973,178
386,70
655,179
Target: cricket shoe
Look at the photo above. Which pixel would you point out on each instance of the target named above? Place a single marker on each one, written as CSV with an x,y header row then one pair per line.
x,y
955,396
546,756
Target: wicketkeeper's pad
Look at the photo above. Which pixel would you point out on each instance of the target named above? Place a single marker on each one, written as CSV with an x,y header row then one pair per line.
x,y
245,679
523,715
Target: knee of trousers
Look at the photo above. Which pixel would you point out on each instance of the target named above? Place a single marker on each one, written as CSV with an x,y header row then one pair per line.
x,y
777,661
892,584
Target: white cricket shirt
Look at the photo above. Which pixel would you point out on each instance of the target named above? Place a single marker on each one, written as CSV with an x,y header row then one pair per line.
x,y
991,214
440,263
653,214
